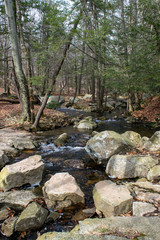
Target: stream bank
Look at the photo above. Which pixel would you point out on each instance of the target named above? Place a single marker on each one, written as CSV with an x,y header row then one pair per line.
x,y
73,158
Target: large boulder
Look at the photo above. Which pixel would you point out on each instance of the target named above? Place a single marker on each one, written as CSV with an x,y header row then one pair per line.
x,y
16,200
55,99
106,144
3,159
134,137
72,236
154,142
62,191
130,166
32,217
17,139
147,228
26,171
111,199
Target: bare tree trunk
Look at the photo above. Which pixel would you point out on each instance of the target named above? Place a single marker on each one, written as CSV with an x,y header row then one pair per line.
x,y
24,91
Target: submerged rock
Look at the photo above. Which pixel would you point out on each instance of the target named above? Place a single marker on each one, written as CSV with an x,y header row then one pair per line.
x,y
26,171
111,199
130,166
106,144
62,191
32,217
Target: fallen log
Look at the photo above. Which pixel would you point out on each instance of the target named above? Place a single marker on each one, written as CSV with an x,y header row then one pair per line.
x,y
14,101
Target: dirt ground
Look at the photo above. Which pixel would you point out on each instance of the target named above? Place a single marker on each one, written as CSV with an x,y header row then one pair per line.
x,y
10,117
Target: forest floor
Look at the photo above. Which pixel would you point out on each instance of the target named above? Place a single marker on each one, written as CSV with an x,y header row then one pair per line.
x,y
150,111
10,115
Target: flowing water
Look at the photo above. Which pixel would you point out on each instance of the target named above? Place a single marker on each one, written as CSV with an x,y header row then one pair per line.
x,y
73,158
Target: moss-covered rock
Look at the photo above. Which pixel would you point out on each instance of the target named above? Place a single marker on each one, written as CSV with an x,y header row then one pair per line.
x,y
32,217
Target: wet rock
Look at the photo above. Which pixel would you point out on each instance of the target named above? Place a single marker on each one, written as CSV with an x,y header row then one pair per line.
x,y
111,199
16,200
106,144
130,227
4,213
61,140
154,173
141,208
72,236
134,137
32,217
86,123
26,171
130,166
62,191
3,159
53,216
8,226
154,142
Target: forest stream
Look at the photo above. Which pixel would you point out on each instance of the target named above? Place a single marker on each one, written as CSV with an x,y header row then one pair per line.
x,y
73,158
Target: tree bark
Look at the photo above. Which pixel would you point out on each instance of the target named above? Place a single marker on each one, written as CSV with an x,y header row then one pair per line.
x,y
24,91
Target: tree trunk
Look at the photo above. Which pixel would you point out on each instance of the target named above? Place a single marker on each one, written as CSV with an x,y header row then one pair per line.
x,y
56,72
24,91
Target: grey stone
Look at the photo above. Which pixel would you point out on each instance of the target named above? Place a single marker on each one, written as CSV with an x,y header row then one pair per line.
x,y
17,139
130,166
141,208
111,199
147,196
26,171
8,226
3,159
86,123
53,216
62,191
4,213
148,186
154,173
8,150
32,217
154,142
16,200
126,226
61,140
134,137
70,236
106,144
